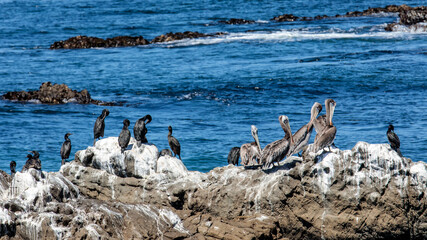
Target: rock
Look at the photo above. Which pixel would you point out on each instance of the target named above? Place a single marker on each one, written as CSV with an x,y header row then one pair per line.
x,y
168,37
94,42
54,94
411,19
285,18
235,21
368,192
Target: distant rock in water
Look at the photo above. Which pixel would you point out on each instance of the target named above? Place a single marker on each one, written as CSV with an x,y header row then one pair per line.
x,y
94,42
236,21
285,18
410,19
54,94
168,37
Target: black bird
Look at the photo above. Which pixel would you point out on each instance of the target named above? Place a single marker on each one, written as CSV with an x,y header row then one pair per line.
x,y
140,130
174,144
12,168
98,128
66,148
33,161
233,156
393,139
124,136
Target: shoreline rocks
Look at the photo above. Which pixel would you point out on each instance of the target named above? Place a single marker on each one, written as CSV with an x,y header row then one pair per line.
x,y
413,19
94,42
54,94
168,37
368,192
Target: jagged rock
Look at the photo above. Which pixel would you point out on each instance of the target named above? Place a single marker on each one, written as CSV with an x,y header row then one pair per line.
x,y
285,18
411,19
54,94
94,42
168,37
368,192
235,21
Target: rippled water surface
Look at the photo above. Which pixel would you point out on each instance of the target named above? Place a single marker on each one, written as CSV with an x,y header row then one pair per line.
x,y
210,90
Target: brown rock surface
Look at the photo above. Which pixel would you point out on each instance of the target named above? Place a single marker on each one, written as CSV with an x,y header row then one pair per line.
x,y
54,94
94,42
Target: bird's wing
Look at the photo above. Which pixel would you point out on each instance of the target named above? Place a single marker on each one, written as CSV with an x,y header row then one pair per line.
x,y
326,138
320,124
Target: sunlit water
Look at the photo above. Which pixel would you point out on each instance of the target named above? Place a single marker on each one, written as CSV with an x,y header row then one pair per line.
x,y
210,90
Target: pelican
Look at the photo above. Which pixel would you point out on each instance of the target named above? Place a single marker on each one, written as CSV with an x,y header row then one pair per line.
x,y
140,130
174,143
250,153
277,150
327,136
124,136
302,136
98,128
393,139
233,156
321,122
66,148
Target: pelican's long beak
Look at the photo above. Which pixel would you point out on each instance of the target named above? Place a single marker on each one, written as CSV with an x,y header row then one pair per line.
x,y
257,142
332,109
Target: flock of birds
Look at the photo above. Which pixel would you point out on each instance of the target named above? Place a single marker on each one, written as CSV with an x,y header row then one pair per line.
x,y
250,154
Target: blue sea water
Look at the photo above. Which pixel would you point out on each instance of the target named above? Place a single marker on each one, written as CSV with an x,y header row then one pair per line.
x,y
210,90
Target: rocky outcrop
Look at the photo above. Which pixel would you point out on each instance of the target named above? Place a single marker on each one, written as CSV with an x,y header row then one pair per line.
x,y
368,192
168,37
54,94
237,21
413,19
94,42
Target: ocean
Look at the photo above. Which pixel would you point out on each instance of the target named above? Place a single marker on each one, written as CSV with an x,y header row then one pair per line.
x,y
210,90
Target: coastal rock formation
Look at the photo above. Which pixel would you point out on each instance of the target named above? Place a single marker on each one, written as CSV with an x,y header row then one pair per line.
x,y
414,19
168,37
285,18
236,21
368,192
54,94
94,42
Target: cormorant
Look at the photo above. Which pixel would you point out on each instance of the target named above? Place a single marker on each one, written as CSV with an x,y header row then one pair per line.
x,y
124,136
66,148
33,161
98,128
174,143
12,168
140,130
233,156
250,153
393,139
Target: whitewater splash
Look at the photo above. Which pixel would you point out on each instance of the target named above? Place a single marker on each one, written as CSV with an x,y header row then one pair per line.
x,y
292,35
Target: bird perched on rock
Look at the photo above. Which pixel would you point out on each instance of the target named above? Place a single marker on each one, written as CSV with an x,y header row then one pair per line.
x,y
66,148
328,132
33,161
140,130
393,139
98,128
124,136
12,168
233,156
250,153
174,143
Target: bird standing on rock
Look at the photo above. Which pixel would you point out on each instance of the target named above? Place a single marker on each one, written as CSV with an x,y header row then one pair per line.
x,y
66,148
124,136
174,144
98,128
328,132
393,139
33,161
140,130
12,168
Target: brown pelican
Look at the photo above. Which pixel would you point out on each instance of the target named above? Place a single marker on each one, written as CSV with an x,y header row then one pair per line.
x,y
33,161
321,122
12,168
327,136
250,153
277,150
302,136
233,156
140,130
98,128
174,144
66,148
124,136
393,139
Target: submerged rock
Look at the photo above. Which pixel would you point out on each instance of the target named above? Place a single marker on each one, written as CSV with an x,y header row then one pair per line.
x,y
94,42
236,21
368,192
54,94
168,37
